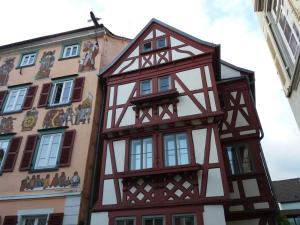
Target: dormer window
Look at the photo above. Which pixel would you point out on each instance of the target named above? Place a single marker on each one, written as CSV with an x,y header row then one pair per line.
x,y
164,83
147,46
146,87
161,43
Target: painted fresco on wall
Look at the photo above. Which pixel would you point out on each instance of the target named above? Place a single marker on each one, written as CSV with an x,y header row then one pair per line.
x,y
60,117
6,124
30,119
91,50
5,69
37,183
47,62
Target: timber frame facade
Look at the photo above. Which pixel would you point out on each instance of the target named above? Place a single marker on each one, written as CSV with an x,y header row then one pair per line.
x,y
181,137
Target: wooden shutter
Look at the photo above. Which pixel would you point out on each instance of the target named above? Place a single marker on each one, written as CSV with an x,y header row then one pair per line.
x,y
12,154
43,101
56,219
10,220
30,97
2,97
78,89
67,148
28,152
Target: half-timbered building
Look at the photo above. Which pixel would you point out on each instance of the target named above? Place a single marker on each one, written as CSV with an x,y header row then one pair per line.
x,y
49,106
181,137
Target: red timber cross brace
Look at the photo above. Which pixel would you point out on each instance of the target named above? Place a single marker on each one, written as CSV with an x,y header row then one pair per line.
x,y
163,103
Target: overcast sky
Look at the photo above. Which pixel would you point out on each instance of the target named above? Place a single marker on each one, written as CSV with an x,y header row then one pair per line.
x,y
232,24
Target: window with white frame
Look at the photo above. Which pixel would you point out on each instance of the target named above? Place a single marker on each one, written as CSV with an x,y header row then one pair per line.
x,y
61,92
184,220
28,59
70,51
153,220
3,151
141,154
15,100
164,83
34,220
239,159
48,151
176,149
146,87
124,221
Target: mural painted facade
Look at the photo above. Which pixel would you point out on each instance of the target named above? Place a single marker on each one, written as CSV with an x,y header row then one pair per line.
x,y
30,119
6,124
5,69
90,50
46,63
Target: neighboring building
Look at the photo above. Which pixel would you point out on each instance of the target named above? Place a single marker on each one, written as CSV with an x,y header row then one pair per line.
x,y
50,103
288,196
280,23
181,137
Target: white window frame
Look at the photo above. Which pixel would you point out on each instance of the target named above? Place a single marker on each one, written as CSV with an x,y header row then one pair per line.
x,y
3,141
25,213
71,47
125,218
153,217
178,153
26,59
143,154
35,217
169,82
48,153
184,215
53,93
14,103
141,89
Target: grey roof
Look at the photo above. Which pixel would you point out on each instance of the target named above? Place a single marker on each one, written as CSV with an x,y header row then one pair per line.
x,y
287,190
236,67
153,20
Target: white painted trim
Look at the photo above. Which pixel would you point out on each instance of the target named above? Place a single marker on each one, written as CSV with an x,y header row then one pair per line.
x,y
29,212
44,195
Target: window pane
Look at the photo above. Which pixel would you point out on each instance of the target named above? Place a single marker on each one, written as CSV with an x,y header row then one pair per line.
x,y
182,149
120,222
170,156
292,221
287,32
42,221
164,83
148,221
136,151
66,92
189,220
20,99
158,221
57,93
244,159
161,43
130,222
293,45
145,87
74,50
29,221
231,159
147,153
31,60
147,47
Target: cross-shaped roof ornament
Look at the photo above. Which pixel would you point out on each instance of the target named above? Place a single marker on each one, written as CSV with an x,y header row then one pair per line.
x,y
94,19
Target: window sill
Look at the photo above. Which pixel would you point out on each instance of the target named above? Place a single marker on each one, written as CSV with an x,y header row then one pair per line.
x,y
71,57
11,112
160,171
21,67
155,98
58,106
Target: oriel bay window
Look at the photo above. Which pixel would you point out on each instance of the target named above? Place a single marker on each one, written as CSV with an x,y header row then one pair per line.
x,y
141,154
239,159
176,149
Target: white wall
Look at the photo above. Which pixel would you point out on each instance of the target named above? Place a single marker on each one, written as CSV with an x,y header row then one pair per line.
x,y
99,218
214,215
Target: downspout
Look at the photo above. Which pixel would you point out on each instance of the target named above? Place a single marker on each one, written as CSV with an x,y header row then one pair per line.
x,y
99,147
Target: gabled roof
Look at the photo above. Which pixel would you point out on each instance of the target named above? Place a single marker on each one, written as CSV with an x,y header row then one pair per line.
x,y
287,190
152,21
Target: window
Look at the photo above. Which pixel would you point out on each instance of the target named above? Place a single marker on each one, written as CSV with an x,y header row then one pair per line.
x,y
61,92
184,220
176,149
239,159
164,83
125,221
146,87
141,154
70,51
33,220
161,43
48,151
147,46
28,59
294,220
15,100
157,220
3,151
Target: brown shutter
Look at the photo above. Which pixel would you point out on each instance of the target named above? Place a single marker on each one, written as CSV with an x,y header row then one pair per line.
x,y
12,154
78,89
28,152
56,219
67,148
43,101
10,220
2,97
30,97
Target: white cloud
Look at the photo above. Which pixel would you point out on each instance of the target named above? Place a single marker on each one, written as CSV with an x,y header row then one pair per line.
x,y
232,24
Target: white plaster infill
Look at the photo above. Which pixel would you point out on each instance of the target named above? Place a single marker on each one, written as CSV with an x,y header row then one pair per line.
x,y
39,195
